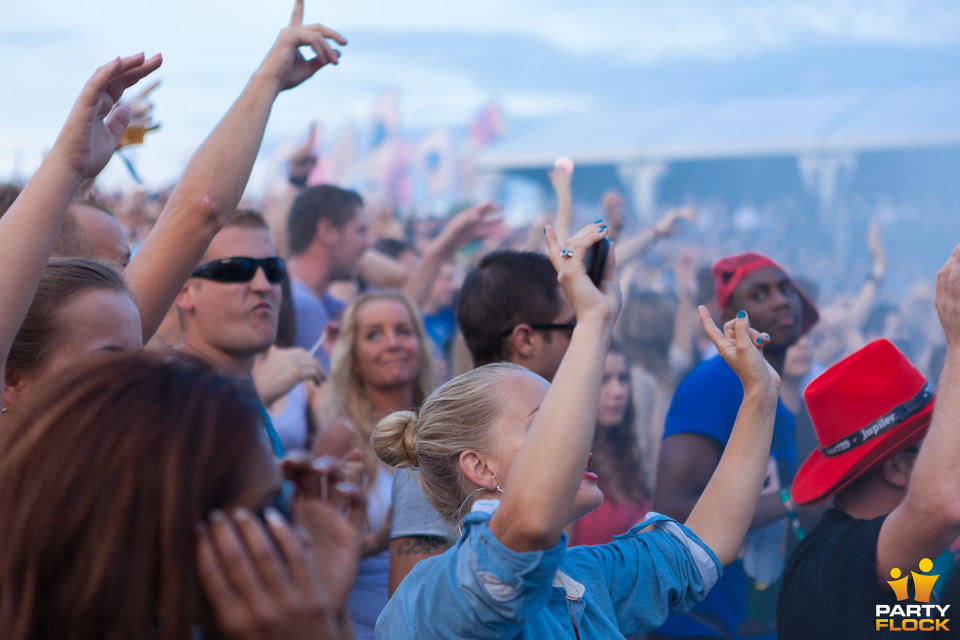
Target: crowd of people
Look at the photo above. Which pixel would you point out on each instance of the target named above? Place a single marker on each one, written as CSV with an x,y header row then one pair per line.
x,y
304,418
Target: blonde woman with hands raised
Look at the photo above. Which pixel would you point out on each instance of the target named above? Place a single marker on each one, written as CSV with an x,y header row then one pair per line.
x,y
503,439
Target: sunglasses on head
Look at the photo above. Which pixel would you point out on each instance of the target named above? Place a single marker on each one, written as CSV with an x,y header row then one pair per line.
x,y
241,269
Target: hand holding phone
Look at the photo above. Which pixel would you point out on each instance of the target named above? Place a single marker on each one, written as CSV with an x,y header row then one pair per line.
x,y
596,260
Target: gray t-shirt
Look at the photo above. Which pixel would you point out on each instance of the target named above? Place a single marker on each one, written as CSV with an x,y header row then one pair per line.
x,y
412,514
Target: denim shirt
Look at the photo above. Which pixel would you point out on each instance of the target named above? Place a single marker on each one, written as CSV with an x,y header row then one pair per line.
x,y
480,588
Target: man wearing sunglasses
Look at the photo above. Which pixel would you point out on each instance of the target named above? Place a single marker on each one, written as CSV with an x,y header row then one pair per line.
x,y
511,309
229,307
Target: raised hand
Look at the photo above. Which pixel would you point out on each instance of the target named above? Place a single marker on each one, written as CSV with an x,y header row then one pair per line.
x,y
613,206
286,65
877,252
96,122
474,223
726,507
141,120
742,348
685,269
948,299
585,298
304,159
560,178
471,224
666,225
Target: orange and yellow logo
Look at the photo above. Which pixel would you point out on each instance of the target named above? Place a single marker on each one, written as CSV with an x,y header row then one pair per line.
x,y
913,617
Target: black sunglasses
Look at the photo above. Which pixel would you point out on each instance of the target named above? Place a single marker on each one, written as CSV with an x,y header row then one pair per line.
x,y
566,326
241,269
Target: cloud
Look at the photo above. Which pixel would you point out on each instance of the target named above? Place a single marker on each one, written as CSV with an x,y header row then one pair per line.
x,y
525,104
537,57
649,32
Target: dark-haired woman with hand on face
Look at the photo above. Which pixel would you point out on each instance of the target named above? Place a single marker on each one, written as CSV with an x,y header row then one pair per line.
x,y
138,499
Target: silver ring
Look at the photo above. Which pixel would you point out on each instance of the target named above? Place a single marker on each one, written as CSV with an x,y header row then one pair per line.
x,y
566,253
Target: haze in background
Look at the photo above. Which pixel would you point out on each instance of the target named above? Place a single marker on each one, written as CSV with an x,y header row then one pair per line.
x,y
447,61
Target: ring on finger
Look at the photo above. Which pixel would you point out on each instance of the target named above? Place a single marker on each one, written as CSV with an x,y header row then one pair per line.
x,y
566,253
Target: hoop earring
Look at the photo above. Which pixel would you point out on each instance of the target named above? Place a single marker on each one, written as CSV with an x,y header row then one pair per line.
x,y
465,501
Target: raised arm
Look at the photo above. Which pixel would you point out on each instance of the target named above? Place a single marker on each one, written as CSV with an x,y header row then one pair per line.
x,y
724,511
864,302
380,270
927,521
681,347
470,224
613,205
632,247
548,468
141,116
85,144
214,180
277,207
560,177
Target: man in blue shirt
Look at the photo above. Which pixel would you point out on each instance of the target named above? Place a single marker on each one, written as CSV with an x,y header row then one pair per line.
x,y
698,424
327,233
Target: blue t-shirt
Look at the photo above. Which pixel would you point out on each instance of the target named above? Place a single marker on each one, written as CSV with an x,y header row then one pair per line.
x,y
706,403
441,326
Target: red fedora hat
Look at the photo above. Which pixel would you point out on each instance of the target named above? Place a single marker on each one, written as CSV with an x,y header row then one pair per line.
x,y
867,407
728,272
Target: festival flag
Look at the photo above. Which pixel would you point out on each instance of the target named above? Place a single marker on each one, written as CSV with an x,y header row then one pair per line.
x,y
435,162
488,126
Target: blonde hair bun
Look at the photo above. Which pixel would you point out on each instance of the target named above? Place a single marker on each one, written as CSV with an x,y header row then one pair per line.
x,y
395,440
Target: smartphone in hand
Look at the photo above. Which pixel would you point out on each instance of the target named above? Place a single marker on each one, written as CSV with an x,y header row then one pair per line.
x,y
596,260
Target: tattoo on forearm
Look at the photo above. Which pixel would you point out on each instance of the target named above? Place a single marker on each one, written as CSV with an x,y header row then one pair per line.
x,y
422,545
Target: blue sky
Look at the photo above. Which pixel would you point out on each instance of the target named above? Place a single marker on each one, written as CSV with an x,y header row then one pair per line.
x,y
539,59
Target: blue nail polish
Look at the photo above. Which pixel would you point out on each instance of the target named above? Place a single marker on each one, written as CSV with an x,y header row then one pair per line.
x,y
741,314
598,221
603,227
759,340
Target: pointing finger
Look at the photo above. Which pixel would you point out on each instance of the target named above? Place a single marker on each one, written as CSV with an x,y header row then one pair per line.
x,y
297,18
